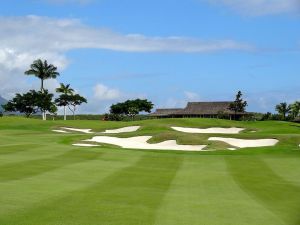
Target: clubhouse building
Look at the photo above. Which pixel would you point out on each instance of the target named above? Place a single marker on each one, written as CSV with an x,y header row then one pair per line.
x,y
200,109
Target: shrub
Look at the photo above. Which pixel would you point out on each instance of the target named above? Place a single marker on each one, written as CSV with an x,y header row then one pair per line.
x,y
267,116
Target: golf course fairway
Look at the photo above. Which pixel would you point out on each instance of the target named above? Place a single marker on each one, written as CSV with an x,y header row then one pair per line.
x,y
45,180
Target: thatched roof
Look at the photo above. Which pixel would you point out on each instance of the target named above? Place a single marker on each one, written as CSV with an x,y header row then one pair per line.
x,y
197,108
166,112
205,108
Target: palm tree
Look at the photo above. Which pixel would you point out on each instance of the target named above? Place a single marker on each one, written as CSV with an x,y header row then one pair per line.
x,y
283,109
65,90
43,71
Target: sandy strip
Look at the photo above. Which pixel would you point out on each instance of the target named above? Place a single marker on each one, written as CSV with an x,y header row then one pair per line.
x,y
122,130
60,131
85,145
86,131
140,142
232,149
212,130
243,143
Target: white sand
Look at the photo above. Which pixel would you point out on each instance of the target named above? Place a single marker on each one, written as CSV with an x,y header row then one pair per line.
x,y
212,130
86,131
60,131
85,145
140,142
243,143
122,130
232,149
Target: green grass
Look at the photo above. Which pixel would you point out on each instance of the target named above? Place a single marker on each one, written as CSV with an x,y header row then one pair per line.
x,y
44,180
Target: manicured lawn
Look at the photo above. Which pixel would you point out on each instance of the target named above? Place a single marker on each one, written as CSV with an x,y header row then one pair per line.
x,y
44,180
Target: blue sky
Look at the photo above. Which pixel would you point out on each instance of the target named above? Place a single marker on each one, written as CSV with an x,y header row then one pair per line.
x,y
167,51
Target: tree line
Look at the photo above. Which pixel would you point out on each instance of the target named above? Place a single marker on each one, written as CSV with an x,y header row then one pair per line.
x,y
42,101
286,112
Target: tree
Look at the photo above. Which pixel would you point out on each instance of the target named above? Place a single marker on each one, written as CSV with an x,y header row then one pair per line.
x,y
30,103
70,101
295,109
133,111
64,90
44,102
53,111
142,105
63,101
131,107
74,101
23,103
239,105
43,71
283,109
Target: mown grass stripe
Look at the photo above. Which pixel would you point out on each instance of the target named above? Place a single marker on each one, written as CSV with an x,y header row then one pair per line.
x,y
130,196
269,189
25,169
6,149
20,195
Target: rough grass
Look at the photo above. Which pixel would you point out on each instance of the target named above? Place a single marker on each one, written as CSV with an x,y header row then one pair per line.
x,y
45,180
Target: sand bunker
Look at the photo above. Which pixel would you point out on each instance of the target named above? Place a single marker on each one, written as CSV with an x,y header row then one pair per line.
x,y
212,130
86,131
122,130
232,149
60,131
243,143
140,142
85,145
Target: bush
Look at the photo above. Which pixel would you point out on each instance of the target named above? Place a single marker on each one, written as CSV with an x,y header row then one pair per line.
x,y
267,116
115,117
1,114
270,116
222,115
249,117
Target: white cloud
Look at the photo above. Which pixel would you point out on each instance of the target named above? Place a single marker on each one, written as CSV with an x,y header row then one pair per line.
x,y
24,39
260,7
13,63
191,96
172,102
179,102
103,97
102,92
60,35
269,99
